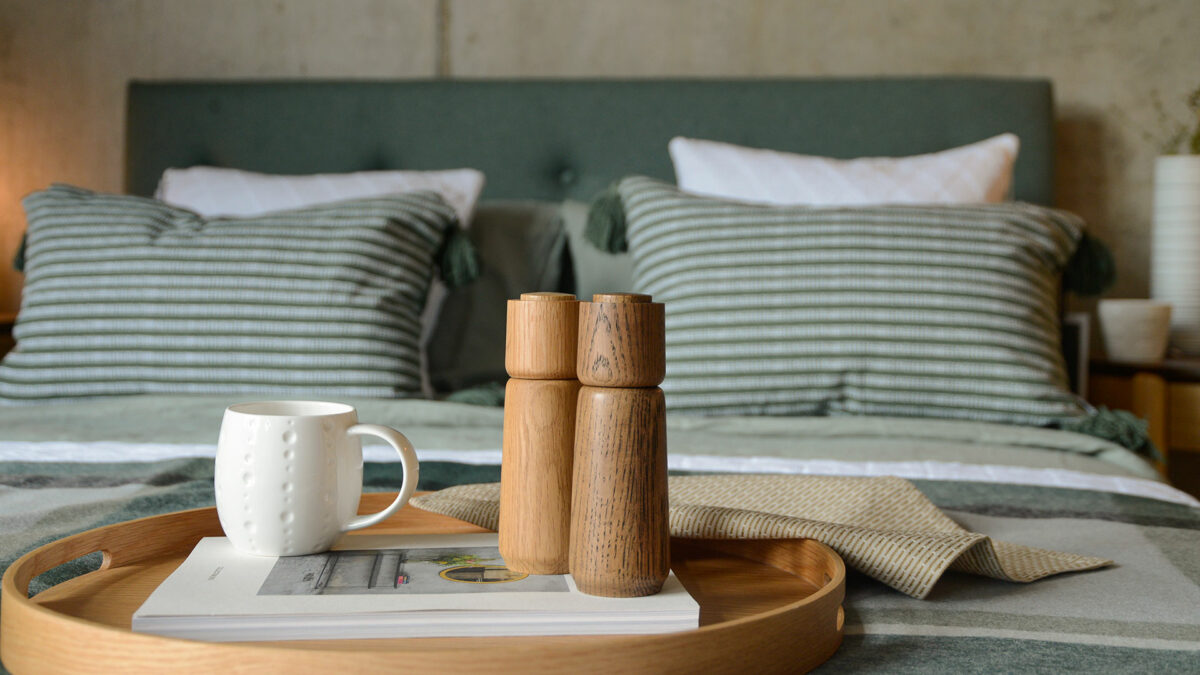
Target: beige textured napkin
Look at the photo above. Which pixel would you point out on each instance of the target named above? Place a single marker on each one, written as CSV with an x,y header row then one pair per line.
x,y
883,527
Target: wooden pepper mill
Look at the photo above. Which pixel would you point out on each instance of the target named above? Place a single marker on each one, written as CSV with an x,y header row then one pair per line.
x,y
539,432
620,536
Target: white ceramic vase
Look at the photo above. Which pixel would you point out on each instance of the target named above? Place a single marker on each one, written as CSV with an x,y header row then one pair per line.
x,y
1134,330
1175,252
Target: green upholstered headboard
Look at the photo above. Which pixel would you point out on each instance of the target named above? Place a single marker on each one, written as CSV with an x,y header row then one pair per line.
x,y
550,139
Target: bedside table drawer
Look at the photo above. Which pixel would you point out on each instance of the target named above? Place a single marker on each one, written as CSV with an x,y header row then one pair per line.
x,y
1183,417
1111,391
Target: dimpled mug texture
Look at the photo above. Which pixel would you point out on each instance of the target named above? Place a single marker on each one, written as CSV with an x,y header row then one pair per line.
x,y
286,483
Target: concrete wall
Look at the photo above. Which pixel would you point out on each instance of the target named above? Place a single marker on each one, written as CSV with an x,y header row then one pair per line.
x,y
1121,68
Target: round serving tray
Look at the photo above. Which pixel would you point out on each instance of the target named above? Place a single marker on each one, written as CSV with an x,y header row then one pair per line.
x,y
765,606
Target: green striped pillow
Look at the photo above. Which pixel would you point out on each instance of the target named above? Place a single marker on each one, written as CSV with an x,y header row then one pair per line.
x,y
930,311
125,295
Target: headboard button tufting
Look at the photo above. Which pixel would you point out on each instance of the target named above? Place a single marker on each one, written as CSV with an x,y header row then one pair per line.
x,y
567,177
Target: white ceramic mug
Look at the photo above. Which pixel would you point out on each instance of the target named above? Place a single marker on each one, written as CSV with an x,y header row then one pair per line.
x,y
289,475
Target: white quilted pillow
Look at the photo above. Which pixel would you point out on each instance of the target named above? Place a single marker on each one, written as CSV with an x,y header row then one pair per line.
x,y
213,192
976,173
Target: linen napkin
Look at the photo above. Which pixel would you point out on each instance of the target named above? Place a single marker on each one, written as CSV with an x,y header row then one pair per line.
x,y
883,527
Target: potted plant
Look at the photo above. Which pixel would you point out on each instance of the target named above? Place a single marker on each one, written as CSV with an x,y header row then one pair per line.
x,y
1175,251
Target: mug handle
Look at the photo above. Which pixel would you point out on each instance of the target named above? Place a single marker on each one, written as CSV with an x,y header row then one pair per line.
x,y
408,459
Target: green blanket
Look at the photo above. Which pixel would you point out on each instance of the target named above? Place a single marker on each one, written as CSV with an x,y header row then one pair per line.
x,y
1141,615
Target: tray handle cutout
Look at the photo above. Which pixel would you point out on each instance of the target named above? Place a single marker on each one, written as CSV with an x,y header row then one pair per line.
x,y
119,544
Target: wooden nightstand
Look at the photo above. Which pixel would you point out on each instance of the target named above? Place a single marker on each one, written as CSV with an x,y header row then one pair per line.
x,y
6,339
1167,395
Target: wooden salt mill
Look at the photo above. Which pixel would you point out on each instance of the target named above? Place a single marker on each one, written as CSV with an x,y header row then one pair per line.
x,y
539,432
620,536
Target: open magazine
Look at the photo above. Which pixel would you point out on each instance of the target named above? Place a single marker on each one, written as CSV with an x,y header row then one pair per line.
x,y
386,586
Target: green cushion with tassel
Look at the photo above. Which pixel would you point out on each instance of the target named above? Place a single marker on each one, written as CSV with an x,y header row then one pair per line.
x,y
128,295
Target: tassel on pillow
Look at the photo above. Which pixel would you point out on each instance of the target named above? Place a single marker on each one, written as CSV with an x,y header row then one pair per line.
x,y
19,259
1091,270
458,260
1118,426
606,222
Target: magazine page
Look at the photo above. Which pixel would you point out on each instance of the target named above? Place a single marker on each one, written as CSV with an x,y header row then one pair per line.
x,y
391,574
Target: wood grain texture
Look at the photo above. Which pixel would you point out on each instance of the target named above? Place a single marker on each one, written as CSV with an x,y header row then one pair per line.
x,y
619,529
542,336
766,606
621,341
535,474
1183,416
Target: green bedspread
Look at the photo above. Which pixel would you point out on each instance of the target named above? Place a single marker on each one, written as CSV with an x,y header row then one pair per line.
x,y
64,469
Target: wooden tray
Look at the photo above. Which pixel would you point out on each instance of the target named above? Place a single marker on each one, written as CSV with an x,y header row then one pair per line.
x,y
766,606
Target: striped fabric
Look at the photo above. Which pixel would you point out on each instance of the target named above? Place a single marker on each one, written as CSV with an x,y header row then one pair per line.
x,y
927,311
126,295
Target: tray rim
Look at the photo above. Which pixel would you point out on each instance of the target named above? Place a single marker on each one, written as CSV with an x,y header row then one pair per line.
x,y
19,610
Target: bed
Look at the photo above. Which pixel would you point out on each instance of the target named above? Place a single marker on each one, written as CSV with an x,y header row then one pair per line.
x,y
71,465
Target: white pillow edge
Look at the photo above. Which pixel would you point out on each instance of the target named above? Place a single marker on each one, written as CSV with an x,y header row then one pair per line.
x,y
479,181
680,146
